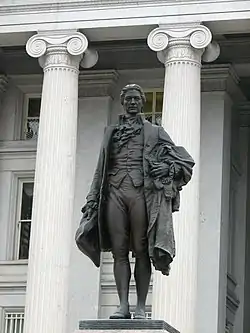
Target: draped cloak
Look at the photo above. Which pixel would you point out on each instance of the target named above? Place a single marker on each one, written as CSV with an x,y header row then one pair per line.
x,y
162,196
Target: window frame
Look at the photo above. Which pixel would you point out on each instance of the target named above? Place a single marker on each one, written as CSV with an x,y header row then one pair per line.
x,y
27,97
154,91
17,232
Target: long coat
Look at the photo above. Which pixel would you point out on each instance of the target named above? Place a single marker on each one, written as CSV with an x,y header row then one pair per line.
x,y
162,198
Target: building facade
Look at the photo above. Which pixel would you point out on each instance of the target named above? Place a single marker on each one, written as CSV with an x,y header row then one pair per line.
x,y
62,66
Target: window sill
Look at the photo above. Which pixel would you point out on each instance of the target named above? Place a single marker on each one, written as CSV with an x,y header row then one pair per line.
x,y
14,262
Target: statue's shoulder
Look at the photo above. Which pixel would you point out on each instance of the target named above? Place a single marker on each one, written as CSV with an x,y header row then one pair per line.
x,y
153,128
109,128
148,123
108,131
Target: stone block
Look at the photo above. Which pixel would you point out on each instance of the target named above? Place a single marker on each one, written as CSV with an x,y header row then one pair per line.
x,y
125,326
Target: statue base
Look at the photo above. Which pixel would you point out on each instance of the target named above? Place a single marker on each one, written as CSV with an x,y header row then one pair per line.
x,y
125,326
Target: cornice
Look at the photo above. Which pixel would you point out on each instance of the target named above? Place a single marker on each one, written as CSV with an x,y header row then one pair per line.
x,y
22,15
97,83
244,111
17,149
13,277
31,83
221,78
91,83
78,5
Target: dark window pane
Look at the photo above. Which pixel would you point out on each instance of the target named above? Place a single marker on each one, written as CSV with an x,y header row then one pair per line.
x,y
34,107
148,117
24,240
159,102
149,103
158,118
27,198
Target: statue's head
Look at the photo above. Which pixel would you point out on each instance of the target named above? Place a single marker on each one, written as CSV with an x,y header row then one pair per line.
x,y
132,99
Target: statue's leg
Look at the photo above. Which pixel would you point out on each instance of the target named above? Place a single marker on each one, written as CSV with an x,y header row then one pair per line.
x,y
119,233
142,273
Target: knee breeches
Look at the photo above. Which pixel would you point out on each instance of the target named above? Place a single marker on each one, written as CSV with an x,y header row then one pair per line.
x,y
127,220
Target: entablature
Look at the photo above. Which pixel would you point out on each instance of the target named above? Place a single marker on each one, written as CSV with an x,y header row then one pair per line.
x,y
119,16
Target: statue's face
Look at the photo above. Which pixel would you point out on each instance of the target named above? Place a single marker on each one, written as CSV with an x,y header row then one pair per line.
x,y
133,103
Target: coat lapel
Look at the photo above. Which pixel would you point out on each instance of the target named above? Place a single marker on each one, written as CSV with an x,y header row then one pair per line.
x,y
147,131
108,134
150,135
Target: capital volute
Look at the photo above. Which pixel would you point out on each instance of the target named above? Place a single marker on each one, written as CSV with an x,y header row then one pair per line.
x,y
171,42
55,49
198,36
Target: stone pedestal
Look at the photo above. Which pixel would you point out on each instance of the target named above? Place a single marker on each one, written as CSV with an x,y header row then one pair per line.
x,y
125,326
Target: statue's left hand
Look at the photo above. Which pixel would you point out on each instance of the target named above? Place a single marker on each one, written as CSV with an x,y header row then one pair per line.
x,y
159,170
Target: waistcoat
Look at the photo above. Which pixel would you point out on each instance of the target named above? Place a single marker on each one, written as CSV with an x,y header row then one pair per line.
x,y
126,157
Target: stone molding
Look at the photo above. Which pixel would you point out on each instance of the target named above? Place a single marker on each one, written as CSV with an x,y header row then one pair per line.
x,y
58,50
13,277
23,8
28,84
221,78
71,5
22,149
97,83
244,110
91,83
101,82
180,43
112,13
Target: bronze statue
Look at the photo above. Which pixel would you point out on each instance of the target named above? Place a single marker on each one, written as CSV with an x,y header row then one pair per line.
x,y
135,189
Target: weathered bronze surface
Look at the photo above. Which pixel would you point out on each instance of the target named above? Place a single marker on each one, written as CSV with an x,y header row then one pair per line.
x,y
135,189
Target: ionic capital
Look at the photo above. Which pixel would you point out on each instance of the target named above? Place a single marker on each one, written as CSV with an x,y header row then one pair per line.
x,y
180,43
58,49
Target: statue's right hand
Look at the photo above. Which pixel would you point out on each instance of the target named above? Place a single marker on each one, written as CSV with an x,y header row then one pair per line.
x,y
88,213
89,209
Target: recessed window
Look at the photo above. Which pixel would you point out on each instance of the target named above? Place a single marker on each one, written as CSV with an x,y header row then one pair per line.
x,y
31,126
25,202
153,106
13,321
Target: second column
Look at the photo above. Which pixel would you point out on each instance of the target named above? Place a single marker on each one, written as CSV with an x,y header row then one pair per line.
x,y
180,49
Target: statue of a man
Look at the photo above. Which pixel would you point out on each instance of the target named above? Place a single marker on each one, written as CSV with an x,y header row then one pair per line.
x,y
135,189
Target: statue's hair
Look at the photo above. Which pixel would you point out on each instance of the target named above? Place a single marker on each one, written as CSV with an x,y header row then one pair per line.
x,y
132,87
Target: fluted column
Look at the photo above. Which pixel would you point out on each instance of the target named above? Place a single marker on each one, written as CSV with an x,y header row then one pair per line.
x,y
180,48
47,286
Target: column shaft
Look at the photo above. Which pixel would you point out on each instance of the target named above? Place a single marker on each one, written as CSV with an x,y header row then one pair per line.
x,y
181,119
47,287
174,297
